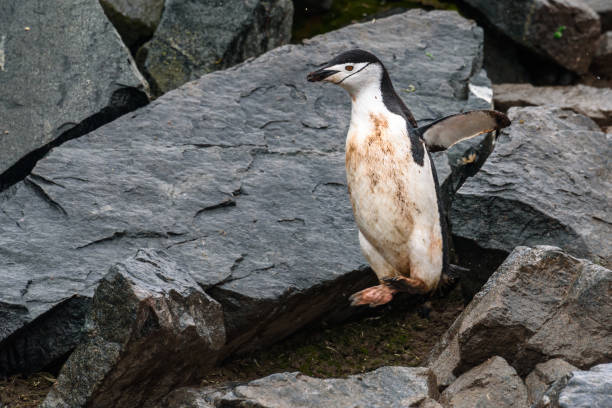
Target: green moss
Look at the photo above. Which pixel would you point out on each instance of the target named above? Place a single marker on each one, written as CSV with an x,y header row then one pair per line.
x,y
344,12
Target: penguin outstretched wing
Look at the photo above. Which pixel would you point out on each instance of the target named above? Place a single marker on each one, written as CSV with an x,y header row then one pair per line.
x,y
443,133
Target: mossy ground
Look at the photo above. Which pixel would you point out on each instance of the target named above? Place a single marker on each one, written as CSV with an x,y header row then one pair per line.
x,y
25,392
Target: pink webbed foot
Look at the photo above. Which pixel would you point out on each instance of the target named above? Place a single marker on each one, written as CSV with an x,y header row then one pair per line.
x,y
374,296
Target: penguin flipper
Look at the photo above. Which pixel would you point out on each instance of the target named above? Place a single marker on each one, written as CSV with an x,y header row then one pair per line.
x,y
443,133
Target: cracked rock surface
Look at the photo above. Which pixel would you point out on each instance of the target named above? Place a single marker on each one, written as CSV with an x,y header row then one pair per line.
x,y
541,303
239,177
387,387
58,83
546,183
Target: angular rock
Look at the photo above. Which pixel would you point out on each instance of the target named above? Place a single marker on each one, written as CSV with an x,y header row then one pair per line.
x,y
595,103
386,387
563,30
541,303
151,328
135,21
246,190
602,63
544,375
196,37
58,83
492,384
604,9
545,183
580,389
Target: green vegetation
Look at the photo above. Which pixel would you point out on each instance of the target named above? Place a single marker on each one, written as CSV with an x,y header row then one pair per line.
x,y
559,32
307,24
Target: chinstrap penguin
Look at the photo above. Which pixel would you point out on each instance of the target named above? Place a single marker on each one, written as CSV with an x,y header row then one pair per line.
x,y
392,181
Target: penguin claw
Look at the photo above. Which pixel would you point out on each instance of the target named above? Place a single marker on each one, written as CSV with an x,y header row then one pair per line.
x,y
373,297
404,284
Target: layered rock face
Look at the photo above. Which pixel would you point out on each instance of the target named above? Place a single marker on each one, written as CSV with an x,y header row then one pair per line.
x,y
196,37
58,83
239,177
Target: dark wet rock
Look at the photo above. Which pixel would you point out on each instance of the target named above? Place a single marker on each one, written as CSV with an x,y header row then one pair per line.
x,y
58,83
310,6
604,9
602,63
595,103
543,375
151,328
492,384
563,30
580,389
245,190
194,38
387,387
135,21
541,303
544,183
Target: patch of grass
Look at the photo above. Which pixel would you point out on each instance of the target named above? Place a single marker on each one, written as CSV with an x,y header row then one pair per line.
x,y
25,392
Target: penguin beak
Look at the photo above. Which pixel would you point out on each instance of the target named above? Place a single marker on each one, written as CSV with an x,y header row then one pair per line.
x,y
320,74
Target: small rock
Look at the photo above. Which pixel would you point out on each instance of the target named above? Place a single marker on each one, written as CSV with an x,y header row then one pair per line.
x,y
544,375
602,63
580,389
386,387
196,37
151,328
563,30
604,9
595,103
492,384
136,20
541,303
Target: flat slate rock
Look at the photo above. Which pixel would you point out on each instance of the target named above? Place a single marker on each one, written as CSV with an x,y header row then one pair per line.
x,y
546,183
196,37
63,72
541,303
238,176
596,103
564,31
386,387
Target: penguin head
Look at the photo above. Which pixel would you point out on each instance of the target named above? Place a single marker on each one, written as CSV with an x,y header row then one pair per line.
x,y
352,70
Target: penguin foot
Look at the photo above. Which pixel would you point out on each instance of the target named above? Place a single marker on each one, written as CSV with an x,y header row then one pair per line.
x,y
413,286
374,296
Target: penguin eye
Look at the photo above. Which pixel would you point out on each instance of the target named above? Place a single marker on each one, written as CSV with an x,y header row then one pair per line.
x,y
349,67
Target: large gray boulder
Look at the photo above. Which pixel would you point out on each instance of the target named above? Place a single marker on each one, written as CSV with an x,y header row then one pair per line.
x,y
541,303
195,37
565,31
492,384
63,72
239,177
545,183
151,328
595,103
135,20
580,389
387,387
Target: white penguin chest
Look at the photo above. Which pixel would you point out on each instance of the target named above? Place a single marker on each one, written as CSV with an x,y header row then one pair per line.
x,y
394,198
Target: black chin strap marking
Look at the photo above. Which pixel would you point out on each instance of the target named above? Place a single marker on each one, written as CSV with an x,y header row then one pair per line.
x,y
356,72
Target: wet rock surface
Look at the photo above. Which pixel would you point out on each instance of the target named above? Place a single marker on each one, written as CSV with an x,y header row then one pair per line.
x,y
544,183
580,389
245,190
596,103
492,384
386,387
540,303
58,83
195,37
151,328
544,375
135,21
563,30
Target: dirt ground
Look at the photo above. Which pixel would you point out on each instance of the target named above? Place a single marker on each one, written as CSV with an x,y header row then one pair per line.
x,y
395,335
